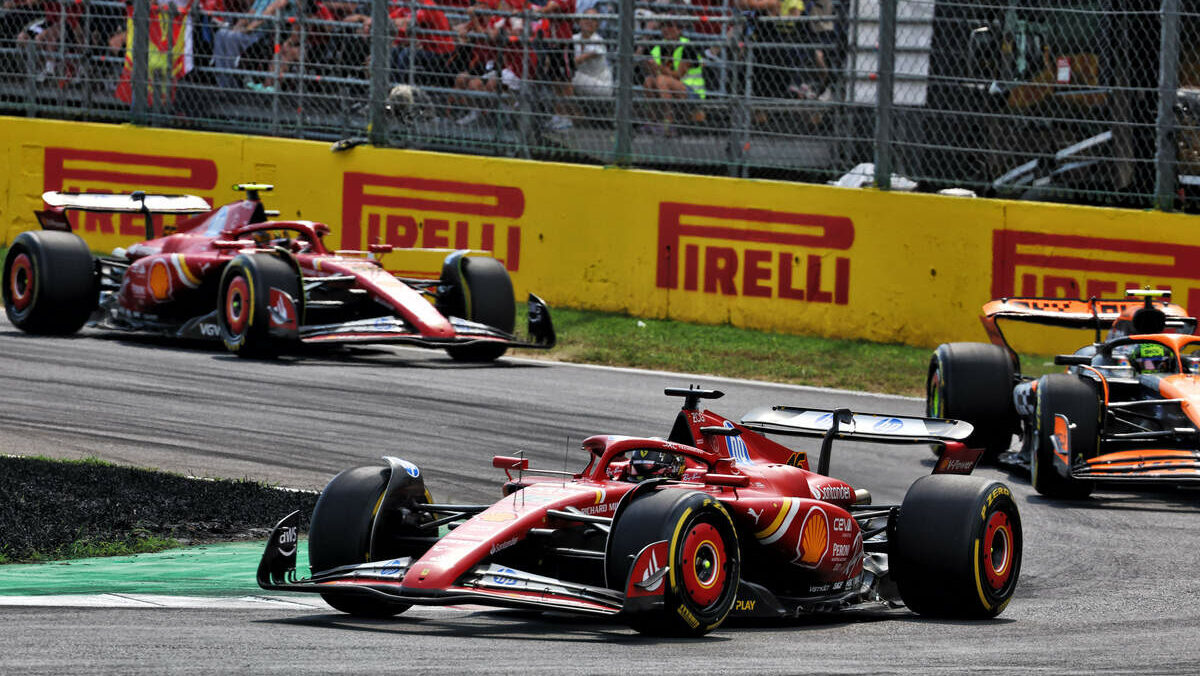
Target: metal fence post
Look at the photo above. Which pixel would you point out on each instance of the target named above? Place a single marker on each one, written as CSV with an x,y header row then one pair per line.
x,y
380,23
624,110
139,79
884,90
1165,155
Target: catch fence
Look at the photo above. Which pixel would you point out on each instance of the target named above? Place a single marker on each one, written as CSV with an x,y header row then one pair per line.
x,y
1088,101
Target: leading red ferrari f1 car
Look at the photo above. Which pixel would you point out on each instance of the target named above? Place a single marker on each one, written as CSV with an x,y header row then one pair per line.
x,y
258,285
1127,410
671,535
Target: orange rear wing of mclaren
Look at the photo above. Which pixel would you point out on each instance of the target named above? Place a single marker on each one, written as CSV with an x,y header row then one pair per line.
x,y
1096,314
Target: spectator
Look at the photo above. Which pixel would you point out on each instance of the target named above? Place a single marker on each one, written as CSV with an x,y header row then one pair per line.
x,y
170,50
777,55
45,35
829,56
15,15
518,57
557,64
474,58
292,50
434,45
232,41
677,73
593,75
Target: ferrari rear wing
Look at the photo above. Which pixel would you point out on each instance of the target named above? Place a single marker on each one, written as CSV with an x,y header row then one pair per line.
x,y
956,458
137,202
132,203
881,427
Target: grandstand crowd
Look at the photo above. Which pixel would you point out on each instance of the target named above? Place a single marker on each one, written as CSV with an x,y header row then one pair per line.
x,y
460,51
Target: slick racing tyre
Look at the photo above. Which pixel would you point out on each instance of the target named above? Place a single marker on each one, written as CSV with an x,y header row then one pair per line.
x,y
50,284
704,563
260,306
1067,395
478,289
340,534
955,546
974,382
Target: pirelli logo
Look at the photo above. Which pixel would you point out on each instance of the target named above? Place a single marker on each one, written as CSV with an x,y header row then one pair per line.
x,y
763,253
407,211
1076,266
102,171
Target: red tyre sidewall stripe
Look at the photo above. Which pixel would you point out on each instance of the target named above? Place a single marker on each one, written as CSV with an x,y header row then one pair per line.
x,y
238,290
700,537
998,532
21,299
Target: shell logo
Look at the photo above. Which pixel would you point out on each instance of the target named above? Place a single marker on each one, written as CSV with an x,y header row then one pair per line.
x,y
160,280
814,538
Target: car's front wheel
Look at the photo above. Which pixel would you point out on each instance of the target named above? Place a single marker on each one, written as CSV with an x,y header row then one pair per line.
x,y
478,289
340,535
260,305
1067,395
702,559
955,546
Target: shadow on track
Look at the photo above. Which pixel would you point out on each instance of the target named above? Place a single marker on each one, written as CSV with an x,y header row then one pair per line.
x,y
344,355
1110,495
516,625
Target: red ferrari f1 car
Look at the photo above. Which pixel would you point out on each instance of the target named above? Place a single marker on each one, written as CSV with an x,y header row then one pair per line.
x,y
1128,408
672,535
261,286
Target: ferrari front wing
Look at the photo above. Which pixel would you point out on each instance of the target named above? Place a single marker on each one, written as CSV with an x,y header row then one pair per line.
x,y
395,330
486,584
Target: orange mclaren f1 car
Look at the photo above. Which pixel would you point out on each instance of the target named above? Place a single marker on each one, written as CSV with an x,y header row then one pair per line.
x,y
1127,409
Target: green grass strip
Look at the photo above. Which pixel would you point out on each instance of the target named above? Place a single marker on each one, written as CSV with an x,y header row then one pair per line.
x,y
206,570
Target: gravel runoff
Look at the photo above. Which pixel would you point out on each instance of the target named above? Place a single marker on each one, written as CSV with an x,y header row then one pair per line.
x,y
49,504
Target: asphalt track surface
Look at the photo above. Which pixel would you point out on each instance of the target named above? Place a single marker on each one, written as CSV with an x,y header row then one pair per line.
x,y
1109,584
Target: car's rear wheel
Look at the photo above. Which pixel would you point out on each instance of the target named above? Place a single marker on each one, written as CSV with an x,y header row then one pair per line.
x,y
478,289
50,284
1077,400
703,560
955,547
974,382
340,535
260,306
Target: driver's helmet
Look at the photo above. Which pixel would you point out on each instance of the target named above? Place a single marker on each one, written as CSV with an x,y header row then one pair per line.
x,y
649,464
1151,358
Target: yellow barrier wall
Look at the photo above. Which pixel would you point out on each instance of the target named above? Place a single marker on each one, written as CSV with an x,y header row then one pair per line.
x,y
760,254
